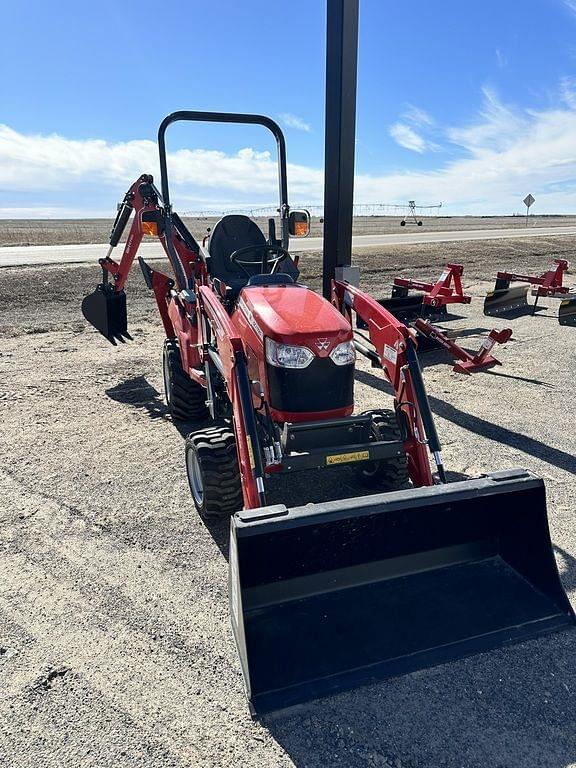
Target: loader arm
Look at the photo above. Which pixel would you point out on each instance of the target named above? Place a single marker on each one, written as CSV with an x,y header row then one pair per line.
x,y
226,352
395,348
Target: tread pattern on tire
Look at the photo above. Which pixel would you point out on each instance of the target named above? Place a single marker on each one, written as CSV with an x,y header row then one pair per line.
x,y
215,448
187,398
392,474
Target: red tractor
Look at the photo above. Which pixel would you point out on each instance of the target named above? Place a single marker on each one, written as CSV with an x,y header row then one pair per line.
x,y
330,595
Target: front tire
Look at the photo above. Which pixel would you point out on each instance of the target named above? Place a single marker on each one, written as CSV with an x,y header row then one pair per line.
x,y
388,474
185,398
213,472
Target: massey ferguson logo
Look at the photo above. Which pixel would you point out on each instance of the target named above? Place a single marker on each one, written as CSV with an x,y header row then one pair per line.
x,y
322,344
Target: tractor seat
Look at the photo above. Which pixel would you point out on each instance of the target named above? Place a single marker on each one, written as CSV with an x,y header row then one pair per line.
x,y
229,234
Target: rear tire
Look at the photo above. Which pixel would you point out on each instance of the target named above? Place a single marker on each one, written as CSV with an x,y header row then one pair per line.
x,y
185,398
213,472
388,474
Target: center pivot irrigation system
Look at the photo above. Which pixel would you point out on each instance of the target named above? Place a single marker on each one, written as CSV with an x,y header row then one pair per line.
x,y
331,595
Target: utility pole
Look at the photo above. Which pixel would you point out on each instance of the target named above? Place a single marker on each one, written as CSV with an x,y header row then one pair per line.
x,y
341,75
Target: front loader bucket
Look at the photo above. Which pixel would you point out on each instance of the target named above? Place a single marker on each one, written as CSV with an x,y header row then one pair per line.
x,y
330,596
507,302
567,312
105,309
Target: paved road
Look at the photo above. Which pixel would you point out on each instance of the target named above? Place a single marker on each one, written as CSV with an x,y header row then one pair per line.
x,y
19,256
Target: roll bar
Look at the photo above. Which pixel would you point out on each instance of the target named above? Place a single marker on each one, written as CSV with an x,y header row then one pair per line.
x,y
228,117
219,117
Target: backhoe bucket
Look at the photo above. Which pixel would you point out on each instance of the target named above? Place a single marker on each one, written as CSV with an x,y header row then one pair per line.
x,y
105,309
507,302
330,596
567,312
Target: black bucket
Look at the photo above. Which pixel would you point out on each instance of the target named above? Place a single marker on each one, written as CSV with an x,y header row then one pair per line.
x,y
330,596
567,312
105,309
407,309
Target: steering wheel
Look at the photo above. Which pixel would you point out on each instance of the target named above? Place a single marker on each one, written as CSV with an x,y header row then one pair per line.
x,y
282,255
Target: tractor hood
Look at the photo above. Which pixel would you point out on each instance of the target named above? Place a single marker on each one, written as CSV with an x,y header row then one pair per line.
x,y
293,314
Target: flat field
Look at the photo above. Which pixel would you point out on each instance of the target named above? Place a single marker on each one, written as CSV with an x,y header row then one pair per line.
x,y
80,231
115,647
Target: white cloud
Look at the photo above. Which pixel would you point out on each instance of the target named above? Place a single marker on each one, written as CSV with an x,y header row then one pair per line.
x,y
53,163
503,153
408,138
293,121
568,90
498,128
403,132
417,116
571,5
501,58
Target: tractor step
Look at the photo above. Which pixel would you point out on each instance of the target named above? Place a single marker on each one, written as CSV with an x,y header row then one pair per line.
x,y
329,596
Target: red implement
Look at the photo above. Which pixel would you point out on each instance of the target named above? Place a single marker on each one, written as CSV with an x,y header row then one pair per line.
x,y
467,363
512,301
446,290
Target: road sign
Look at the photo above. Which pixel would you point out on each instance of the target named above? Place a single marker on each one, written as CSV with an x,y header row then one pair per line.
x,y
528,201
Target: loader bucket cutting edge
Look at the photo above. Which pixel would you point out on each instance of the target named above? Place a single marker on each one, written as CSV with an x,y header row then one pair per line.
x,y
105,309
331,596
510,302
567,312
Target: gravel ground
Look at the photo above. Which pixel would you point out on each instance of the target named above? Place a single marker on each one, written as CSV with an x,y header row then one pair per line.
x,y
115,648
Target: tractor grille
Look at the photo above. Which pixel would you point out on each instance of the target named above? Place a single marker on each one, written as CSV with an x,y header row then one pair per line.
x,y
322,386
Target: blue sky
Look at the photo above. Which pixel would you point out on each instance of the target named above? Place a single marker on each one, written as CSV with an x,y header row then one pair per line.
x,y
468,104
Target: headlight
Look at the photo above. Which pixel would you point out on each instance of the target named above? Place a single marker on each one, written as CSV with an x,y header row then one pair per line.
x,y
344,353
287,355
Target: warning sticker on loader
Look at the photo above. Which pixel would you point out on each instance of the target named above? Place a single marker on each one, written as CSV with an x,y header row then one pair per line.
x,y
390,354
250,451
344,458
